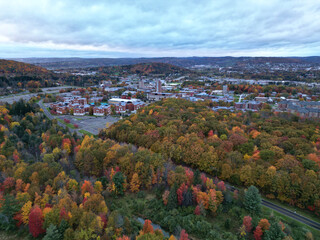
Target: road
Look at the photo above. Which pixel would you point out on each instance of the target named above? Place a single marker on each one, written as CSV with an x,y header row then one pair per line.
x,y
50,116
27,96
285,211
291,214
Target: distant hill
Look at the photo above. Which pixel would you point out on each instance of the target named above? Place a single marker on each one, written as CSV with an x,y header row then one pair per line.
x,y
60,63
145,69
9,67
18,75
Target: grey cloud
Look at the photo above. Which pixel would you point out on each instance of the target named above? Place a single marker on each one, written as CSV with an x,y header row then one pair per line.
x,y
156,27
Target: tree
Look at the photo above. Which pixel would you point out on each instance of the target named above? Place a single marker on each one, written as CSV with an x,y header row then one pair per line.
x,y
252,200
147,227
257,233
274,232
9,208
25,211
264,224
135,183
36,222
86,187
118,180
247,223
197,210
172,198
183,235
52,233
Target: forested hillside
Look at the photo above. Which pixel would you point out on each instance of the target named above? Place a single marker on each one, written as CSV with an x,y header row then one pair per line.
x,y
280,155
144,69
22,75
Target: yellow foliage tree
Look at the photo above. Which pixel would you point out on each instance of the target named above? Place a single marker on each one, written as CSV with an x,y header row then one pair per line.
x,y
98,186
135,183
25,211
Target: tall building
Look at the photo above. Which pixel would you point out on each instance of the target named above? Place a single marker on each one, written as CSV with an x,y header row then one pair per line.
x,y
141,84
158,86
225,89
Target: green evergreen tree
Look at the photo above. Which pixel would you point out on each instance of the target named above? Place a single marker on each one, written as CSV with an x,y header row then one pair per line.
x,y
196,177
118,180
172,199
52,233
274,232
10,207
252,200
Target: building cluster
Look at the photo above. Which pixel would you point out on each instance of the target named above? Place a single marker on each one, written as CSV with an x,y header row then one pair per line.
x,y
303,109
248,105
71,103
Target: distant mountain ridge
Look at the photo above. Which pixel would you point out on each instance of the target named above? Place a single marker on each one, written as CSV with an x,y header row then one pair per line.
x,y
60,63
10,67
143,69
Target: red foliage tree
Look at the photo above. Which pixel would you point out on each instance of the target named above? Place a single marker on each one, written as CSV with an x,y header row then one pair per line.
x,y
63,214
184,235
103,220
147,227
86,187
258,233
247,223
9,183
210,134
183,188
197,210
221,186
36,222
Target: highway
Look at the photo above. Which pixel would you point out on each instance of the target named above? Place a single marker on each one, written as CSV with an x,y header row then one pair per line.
x,y
27,95
284,211
291,214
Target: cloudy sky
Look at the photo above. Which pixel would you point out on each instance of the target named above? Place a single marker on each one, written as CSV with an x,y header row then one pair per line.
x,y
149,28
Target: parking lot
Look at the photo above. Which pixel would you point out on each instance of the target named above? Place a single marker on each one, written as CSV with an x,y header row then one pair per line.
x,y
91,124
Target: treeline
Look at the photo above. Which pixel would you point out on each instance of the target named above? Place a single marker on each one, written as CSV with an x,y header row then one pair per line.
x,y
278,155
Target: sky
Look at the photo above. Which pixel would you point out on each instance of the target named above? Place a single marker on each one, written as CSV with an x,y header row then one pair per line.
x,y
159,28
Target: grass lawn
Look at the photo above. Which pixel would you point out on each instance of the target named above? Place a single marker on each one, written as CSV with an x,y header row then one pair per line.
x,y
87,133
69,125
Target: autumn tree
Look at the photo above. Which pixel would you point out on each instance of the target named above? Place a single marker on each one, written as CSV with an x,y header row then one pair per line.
x,y
36,222
183,235
264,224
135,183
247,223
147,227
258,233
